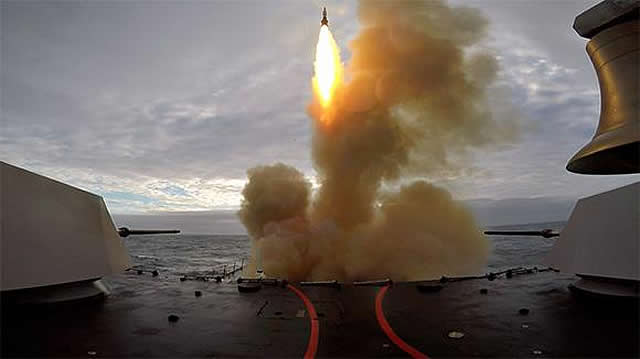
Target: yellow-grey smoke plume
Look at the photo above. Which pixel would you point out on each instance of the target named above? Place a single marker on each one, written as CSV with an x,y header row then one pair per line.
x,y
414,102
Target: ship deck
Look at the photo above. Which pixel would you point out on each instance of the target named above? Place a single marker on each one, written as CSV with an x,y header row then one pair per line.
x,y
275,322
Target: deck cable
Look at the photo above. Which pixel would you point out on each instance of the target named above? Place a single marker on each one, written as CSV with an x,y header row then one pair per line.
x,y
312,346
415,353
386,328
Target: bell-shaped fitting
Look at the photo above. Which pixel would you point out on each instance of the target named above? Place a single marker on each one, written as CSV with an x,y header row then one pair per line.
x,y
615,147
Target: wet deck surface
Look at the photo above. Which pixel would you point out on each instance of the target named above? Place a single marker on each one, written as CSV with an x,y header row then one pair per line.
x,y
273,322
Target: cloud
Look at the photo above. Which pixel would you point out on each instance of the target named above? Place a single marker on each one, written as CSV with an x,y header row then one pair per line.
x,y
164,107
561,111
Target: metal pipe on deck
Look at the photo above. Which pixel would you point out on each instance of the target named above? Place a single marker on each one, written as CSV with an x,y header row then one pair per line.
x,y
321,283
373,283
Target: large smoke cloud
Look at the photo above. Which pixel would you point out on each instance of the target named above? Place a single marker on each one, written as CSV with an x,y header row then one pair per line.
x,y
414,104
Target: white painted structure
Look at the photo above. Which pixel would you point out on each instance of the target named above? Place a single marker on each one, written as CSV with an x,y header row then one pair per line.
x,y
602,237
52,233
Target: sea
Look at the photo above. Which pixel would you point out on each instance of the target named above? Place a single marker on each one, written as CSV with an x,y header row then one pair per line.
x,y
200,255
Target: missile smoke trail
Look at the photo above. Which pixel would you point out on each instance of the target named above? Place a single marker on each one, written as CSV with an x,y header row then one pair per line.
x,y
415,104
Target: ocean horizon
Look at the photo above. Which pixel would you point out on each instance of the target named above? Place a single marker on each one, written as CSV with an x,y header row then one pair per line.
x,y
200,254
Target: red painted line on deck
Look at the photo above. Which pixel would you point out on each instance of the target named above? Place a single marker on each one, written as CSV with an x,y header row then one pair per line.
x,y
386,328
312,347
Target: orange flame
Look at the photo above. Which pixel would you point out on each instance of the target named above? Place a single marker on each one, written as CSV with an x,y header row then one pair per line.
x,y
327,66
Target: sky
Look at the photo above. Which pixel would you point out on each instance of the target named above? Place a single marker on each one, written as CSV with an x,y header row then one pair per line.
x,y
162,106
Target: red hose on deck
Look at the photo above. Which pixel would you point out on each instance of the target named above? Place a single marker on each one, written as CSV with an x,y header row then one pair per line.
x,y
312,347
386,328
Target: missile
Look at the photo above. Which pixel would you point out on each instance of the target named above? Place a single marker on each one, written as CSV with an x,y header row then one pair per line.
x,y
324,20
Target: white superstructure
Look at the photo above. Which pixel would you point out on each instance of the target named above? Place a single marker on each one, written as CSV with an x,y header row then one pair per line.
x,y
52,233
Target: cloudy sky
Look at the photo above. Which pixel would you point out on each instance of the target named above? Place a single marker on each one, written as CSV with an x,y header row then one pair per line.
x,y
161,106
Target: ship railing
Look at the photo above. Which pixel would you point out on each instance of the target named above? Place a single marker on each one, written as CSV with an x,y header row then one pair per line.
x,y
220,272
425,286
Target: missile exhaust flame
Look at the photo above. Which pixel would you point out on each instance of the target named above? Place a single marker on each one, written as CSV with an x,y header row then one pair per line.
x,y
327,67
